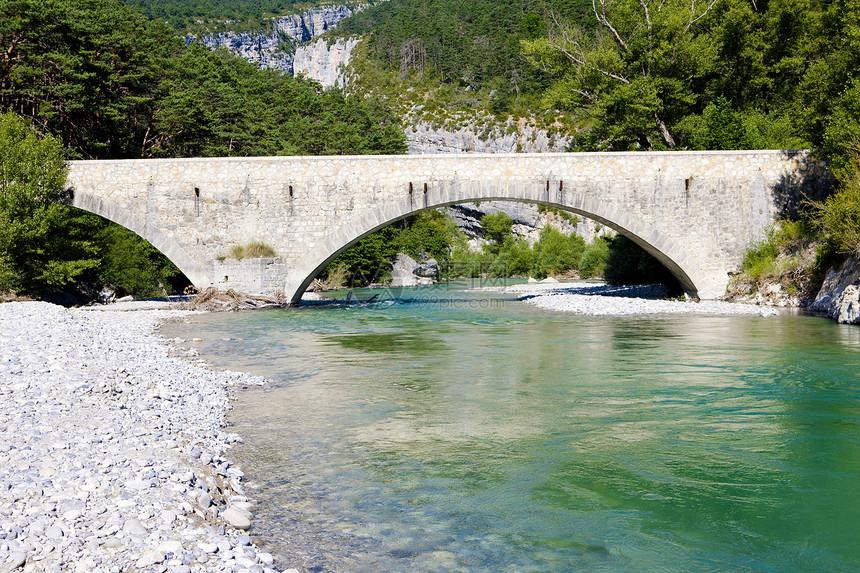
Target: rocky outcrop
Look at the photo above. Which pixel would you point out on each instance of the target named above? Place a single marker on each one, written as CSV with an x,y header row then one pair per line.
x,y
403,272
421,138
274,47
325,62
839,296
528,220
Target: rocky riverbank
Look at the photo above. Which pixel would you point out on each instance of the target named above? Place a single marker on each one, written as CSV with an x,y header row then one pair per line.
x,y
113,449
603,300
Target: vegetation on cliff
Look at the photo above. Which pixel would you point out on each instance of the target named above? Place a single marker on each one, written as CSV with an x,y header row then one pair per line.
x,y
213,15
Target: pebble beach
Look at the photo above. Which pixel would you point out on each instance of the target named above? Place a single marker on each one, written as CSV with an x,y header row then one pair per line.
x,y
113,449
603,300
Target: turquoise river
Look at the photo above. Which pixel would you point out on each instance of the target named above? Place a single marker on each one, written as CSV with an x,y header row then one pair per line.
x,y
463,431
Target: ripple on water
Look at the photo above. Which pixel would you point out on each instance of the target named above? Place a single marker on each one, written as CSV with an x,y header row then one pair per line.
x,y
441,437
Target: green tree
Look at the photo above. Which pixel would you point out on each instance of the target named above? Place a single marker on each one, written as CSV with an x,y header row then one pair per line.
x,y
593,260
133,266
497,227
43,243
83,70
556,253
635,73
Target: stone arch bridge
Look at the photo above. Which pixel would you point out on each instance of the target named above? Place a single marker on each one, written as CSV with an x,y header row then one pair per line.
x,y
697,212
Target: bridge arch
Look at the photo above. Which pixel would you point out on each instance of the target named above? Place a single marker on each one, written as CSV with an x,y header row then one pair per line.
x,y
662,247
143,228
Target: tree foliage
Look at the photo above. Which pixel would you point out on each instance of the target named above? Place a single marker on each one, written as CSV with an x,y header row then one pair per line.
x,y
43,243
556,252
473,44
838,217
719,74
132,266
111,84
635,72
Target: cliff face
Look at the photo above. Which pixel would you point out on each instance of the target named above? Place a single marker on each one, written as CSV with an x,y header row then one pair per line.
x,y
423,138
528,221
274,47
323,62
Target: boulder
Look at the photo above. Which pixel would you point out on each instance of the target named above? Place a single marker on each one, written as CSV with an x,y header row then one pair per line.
x,y
839,292
848,308
427,269
238,518
402,274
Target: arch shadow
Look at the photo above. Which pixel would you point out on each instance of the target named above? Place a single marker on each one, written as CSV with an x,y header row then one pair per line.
x,y
193,270
662,247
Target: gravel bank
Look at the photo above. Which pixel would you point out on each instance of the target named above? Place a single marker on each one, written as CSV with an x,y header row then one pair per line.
x,y
112,451
604,300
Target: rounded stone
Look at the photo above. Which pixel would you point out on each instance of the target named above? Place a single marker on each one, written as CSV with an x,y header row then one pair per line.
x,y
237,518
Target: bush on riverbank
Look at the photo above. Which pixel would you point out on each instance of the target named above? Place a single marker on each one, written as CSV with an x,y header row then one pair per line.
x,y
838,217
781,268
44,245
789,265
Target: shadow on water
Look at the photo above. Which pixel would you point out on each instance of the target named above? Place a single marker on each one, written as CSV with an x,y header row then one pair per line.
x,y
407,343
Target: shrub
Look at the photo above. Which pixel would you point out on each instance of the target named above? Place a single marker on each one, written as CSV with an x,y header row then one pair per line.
x,y
336,276
253,250
593,260
839,217
556,253
773,255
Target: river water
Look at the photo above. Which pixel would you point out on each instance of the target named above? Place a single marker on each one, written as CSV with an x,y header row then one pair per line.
x,y
457,431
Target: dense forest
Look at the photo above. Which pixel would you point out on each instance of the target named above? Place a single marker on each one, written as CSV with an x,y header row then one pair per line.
x,y
627,75
194,14
97,80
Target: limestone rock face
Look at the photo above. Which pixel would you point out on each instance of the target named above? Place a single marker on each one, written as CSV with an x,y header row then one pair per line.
x,y
323,62
528,220
403,275
849,306
840,294
421,138
267,48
